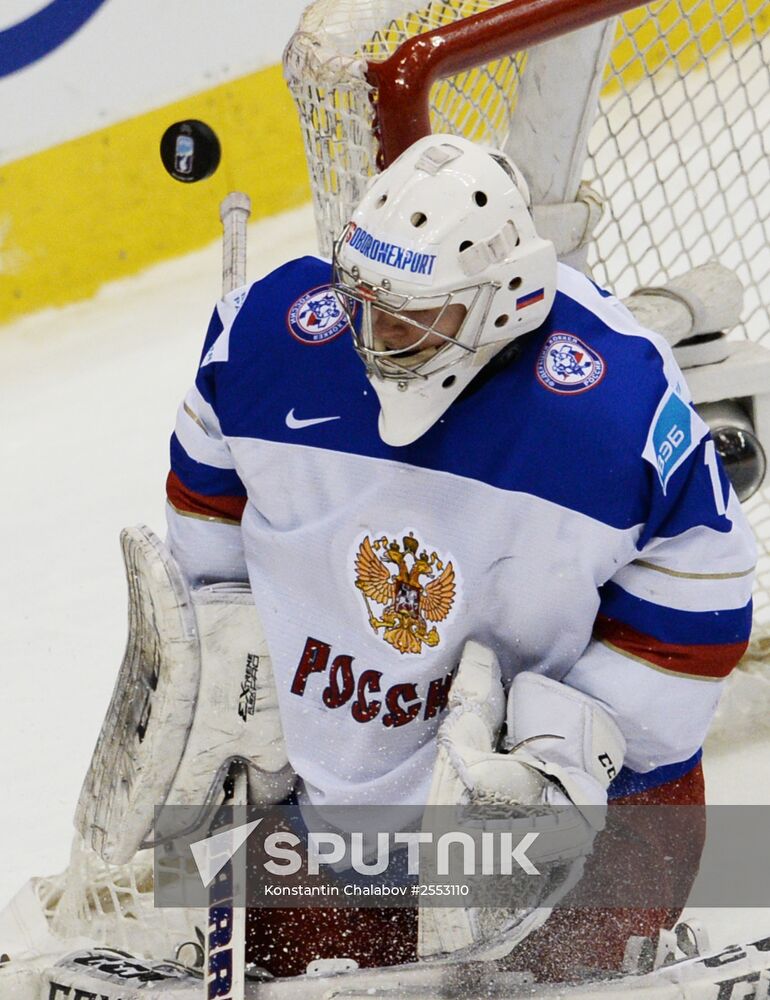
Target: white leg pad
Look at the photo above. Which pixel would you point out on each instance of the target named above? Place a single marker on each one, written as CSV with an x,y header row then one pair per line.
x,y
195,691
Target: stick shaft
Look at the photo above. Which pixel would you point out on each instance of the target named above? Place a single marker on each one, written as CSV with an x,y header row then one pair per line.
x,y
225,955
234,213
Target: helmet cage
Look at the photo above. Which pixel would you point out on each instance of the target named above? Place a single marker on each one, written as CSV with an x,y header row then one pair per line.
x,y
398,363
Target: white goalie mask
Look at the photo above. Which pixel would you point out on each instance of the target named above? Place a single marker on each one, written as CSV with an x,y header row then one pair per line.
x,y
441,252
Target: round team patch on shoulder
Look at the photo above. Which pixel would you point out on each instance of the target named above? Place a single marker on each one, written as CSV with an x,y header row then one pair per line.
x,y
317,316
567,365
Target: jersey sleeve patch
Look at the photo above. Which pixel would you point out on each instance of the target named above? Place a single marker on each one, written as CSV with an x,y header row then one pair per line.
x,y
675,433
568,365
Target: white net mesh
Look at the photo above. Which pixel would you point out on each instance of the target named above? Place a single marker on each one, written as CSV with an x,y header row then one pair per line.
x,y
324,68
681,148
681,151
114,905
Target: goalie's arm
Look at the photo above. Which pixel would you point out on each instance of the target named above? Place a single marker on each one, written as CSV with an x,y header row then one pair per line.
x,y
674,622
205,495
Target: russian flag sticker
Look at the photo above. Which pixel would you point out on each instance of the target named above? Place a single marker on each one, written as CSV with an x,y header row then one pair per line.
x,y
530,299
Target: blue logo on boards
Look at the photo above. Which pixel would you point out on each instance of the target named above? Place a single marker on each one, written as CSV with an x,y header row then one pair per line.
x,y
317,316
567,365
42,32
671,436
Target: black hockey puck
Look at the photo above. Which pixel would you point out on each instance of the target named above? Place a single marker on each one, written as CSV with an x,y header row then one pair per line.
x,y
190,151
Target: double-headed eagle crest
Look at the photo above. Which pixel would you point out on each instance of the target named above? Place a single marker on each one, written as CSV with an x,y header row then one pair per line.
x,y
409,603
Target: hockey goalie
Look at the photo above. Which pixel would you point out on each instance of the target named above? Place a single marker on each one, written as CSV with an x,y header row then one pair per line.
x,y
462,498
505,457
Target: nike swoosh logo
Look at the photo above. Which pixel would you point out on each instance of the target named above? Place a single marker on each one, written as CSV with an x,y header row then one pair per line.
x,y
294,424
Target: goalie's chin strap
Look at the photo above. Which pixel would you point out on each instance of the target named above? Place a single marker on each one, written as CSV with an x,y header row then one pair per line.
x,y
506,357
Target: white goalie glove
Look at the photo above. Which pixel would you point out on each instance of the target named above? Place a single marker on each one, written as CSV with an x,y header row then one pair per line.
x,y
550,778
195,692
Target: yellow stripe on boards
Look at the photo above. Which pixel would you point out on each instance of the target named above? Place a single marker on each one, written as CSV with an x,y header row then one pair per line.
x,y
102,207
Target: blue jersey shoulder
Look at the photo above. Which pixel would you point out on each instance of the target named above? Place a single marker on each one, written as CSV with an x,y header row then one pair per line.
x,y
634,365
586,387
621,375
568,420
639,408
273,296
289,349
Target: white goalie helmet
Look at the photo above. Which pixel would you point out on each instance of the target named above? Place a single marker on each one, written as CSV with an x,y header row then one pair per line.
x,y
446,225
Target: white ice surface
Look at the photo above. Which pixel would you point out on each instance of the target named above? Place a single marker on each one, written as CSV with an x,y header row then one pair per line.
x,y
88,396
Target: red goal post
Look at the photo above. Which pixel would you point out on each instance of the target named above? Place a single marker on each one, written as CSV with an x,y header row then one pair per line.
x,y
402,83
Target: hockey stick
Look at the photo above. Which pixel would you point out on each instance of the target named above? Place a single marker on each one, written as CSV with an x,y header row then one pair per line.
x,y
225,959
234,213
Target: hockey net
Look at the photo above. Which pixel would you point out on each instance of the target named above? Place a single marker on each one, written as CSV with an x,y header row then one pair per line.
x,y
679,151
114,905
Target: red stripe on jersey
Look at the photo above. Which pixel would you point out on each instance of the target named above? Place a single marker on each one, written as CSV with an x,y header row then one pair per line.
x,y
713,660
187,501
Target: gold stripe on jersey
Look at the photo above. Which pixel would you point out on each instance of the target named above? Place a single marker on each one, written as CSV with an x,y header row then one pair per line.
x,y
644,564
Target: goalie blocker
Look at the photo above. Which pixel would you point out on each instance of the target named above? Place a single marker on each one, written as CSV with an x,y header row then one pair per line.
x,y
563,749
195,693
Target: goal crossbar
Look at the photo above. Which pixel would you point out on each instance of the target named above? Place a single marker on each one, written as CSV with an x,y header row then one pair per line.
x,y
402,82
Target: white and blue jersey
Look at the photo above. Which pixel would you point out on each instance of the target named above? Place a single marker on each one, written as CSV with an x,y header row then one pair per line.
x,y
571,513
